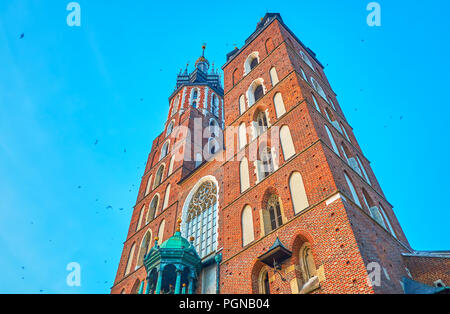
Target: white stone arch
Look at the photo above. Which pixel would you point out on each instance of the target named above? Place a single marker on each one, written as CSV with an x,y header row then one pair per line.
x,y
142,250
188,199
161,228
242,135
149,185
248,61
280,109
287,145
176,104
161,179
247,228
251,90
244,174
141,216
298,193
242,103
130,259
273,76
172,161
165,148
166,197
170,127
149,207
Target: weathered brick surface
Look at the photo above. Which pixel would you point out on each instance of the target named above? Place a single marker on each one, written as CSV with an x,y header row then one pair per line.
x,y
429,269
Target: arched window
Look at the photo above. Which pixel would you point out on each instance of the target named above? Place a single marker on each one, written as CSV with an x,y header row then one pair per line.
x,y
164,150
161,231
303,75
169,128
269,45
214,106
172,161
316,103
272,214
201,218
242,104
352,190
264,283
345,133
307,262
279,105
259,93
242,135
130,259
255,91
158,177
298,193
194,104
261,123
286,142
146,245
195,94
331,103
388,223
306,59
331,138
318,88
153,208
244,174
247,226
373,210
166,197
251,62
266,164
273,76
141,215
366,177
147,188
176,103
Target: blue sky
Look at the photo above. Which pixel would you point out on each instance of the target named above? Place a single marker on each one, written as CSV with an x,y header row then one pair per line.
x,y
62,89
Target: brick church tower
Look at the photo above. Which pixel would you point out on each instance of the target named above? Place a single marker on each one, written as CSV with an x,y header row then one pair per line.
x,y
262,187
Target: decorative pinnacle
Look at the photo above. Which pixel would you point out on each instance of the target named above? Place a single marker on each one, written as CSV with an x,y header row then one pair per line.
x,y
203,48
156,239
191,239
179,225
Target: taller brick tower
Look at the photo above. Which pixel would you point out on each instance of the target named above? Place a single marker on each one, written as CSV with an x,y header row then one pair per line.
x,y
283,201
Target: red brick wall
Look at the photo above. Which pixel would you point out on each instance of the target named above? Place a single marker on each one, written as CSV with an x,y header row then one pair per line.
x,y
429,269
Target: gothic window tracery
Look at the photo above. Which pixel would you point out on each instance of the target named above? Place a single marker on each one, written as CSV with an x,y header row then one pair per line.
x,y
201,218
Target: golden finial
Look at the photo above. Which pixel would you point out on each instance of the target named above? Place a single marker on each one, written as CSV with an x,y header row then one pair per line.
x,y
191,239
179,225
156,239
184,285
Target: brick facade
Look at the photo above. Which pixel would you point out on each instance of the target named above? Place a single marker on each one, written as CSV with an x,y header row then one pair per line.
x,y
343,236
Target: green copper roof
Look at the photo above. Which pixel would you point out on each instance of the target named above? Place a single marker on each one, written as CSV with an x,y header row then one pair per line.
x,y
176,242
